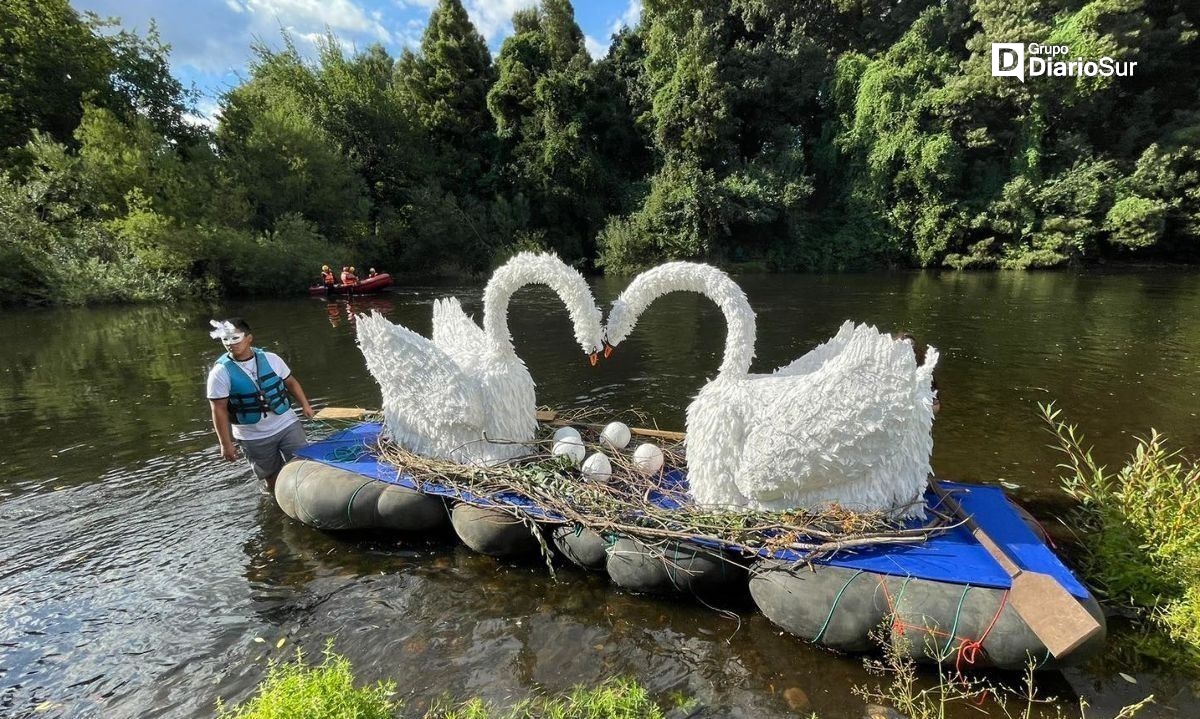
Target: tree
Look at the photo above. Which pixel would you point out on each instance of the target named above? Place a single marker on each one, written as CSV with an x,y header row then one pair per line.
x,y
54,60
279,156
445,87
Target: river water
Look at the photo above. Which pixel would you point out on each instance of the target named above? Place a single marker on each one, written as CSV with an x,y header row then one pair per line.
x,y
140,576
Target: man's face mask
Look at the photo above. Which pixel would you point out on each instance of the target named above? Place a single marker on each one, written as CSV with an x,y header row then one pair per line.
x,y
227,333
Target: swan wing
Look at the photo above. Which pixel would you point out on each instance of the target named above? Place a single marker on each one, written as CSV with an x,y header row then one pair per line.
x,y
820,354
454,332
422,385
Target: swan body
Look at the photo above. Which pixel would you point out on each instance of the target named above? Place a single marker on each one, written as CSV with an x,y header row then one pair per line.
x,y
446,397
849,422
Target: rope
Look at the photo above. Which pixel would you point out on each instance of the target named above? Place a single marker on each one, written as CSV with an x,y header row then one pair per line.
x,y
349,514
969,650
957,615
350,453
837,598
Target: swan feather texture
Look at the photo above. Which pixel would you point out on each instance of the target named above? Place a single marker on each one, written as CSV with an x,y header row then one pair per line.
x,y
849,422
446,397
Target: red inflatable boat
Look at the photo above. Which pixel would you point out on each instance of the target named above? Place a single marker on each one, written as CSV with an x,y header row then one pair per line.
x,y
370,285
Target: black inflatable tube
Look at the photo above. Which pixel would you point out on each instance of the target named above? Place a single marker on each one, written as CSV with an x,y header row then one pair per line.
x,y
494,532
955,624
333,499
673,568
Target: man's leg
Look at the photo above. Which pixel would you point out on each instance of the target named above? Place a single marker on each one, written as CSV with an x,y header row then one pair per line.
x,y
287,442
264,458
291,440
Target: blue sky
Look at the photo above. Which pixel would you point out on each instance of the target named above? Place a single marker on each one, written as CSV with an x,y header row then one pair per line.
x,y
210,39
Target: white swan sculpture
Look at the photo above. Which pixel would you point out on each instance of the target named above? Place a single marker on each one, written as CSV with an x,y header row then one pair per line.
x,y
448,396
850,422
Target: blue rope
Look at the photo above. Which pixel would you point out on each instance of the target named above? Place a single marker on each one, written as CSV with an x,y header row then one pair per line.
x,y
347,454
837,598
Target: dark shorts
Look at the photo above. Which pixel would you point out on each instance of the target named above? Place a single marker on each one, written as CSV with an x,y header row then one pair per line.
x,y
268,455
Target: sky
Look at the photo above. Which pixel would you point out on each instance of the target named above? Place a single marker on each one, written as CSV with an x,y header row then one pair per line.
x,y
210,39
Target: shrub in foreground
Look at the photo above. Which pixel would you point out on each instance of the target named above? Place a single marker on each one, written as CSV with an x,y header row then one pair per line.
x,y
1141,536
295,690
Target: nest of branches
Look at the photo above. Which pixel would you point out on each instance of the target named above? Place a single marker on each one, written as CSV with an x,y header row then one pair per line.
x,y
650,507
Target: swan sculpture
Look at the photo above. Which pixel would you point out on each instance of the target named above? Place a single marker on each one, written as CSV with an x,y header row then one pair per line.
x,y
447,397
849,423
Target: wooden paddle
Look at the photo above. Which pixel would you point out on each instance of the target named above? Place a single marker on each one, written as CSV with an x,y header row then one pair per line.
x,y
1050,611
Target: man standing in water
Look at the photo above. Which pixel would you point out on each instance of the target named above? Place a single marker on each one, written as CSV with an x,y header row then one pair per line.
x,y
249,390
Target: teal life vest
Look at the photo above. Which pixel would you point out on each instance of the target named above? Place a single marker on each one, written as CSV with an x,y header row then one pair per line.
x,y
249,402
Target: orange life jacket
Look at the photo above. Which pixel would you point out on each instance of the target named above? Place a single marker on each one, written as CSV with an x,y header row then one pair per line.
x,y
327,277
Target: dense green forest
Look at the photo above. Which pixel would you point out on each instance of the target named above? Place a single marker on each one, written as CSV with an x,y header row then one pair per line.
x,y
788,134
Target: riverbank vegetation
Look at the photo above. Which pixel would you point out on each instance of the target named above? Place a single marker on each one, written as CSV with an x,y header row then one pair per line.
x,y
795,136
297,690
1139,531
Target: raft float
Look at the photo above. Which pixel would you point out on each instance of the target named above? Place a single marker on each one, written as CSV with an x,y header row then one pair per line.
x,y
944,599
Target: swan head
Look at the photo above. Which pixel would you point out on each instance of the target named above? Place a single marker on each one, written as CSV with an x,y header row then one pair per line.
x,y
621,321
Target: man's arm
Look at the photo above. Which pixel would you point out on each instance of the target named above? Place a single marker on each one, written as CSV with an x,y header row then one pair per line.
x,y
293,386
224,428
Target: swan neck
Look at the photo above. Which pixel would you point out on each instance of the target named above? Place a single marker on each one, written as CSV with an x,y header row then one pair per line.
x,y
547,270
717,286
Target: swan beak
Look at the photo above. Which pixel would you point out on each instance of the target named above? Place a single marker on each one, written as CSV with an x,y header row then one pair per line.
x,y
608,350
594,359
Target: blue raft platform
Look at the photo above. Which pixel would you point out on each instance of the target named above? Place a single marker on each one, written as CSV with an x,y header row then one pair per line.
x,y
944,599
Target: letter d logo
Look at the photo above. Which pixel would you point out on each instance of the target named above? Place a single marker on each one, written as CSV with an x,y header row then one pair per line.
x,y
1008,60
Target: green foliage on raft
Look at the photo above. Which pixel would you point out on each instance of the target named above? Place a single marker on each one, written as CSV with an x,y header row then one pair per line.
x,y
1141,537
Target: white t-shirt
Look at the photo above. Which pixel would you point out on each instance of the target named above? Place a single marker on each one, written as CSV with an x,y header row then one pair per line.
x,y
269,424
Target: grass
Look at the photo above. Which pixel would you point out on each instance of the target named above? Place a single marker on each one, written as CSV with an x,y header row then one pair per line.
x,y
614,699
296,690
1139,528
917,697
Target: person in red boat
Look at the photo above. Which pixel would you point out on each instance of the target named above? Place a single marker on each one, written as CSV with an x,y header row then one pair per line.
x,y
348,276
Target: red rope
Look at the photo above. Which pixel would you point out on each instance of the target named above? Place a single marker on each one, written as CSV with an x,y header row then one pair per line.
x,y
969,650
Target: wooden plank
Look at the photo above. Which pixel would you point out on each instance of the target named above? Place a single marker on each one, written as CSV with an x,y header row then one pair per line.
x,y
546,416
351,413
1053,614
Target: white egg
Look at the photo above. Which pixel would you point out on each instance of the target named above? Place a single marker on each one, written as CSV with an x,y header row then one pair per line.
x,y
648,458
566,433
597,468
569,447
616,435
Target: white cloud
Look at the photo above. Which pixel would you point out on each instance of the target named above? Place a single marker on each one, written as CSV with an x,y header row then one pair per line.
x,y
630,18
208,113
309,16
493,18
595,48
216,40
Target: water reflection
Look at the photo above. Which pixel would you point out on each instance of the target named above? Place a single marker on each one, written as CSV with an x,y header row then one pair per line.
x,y
137,570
